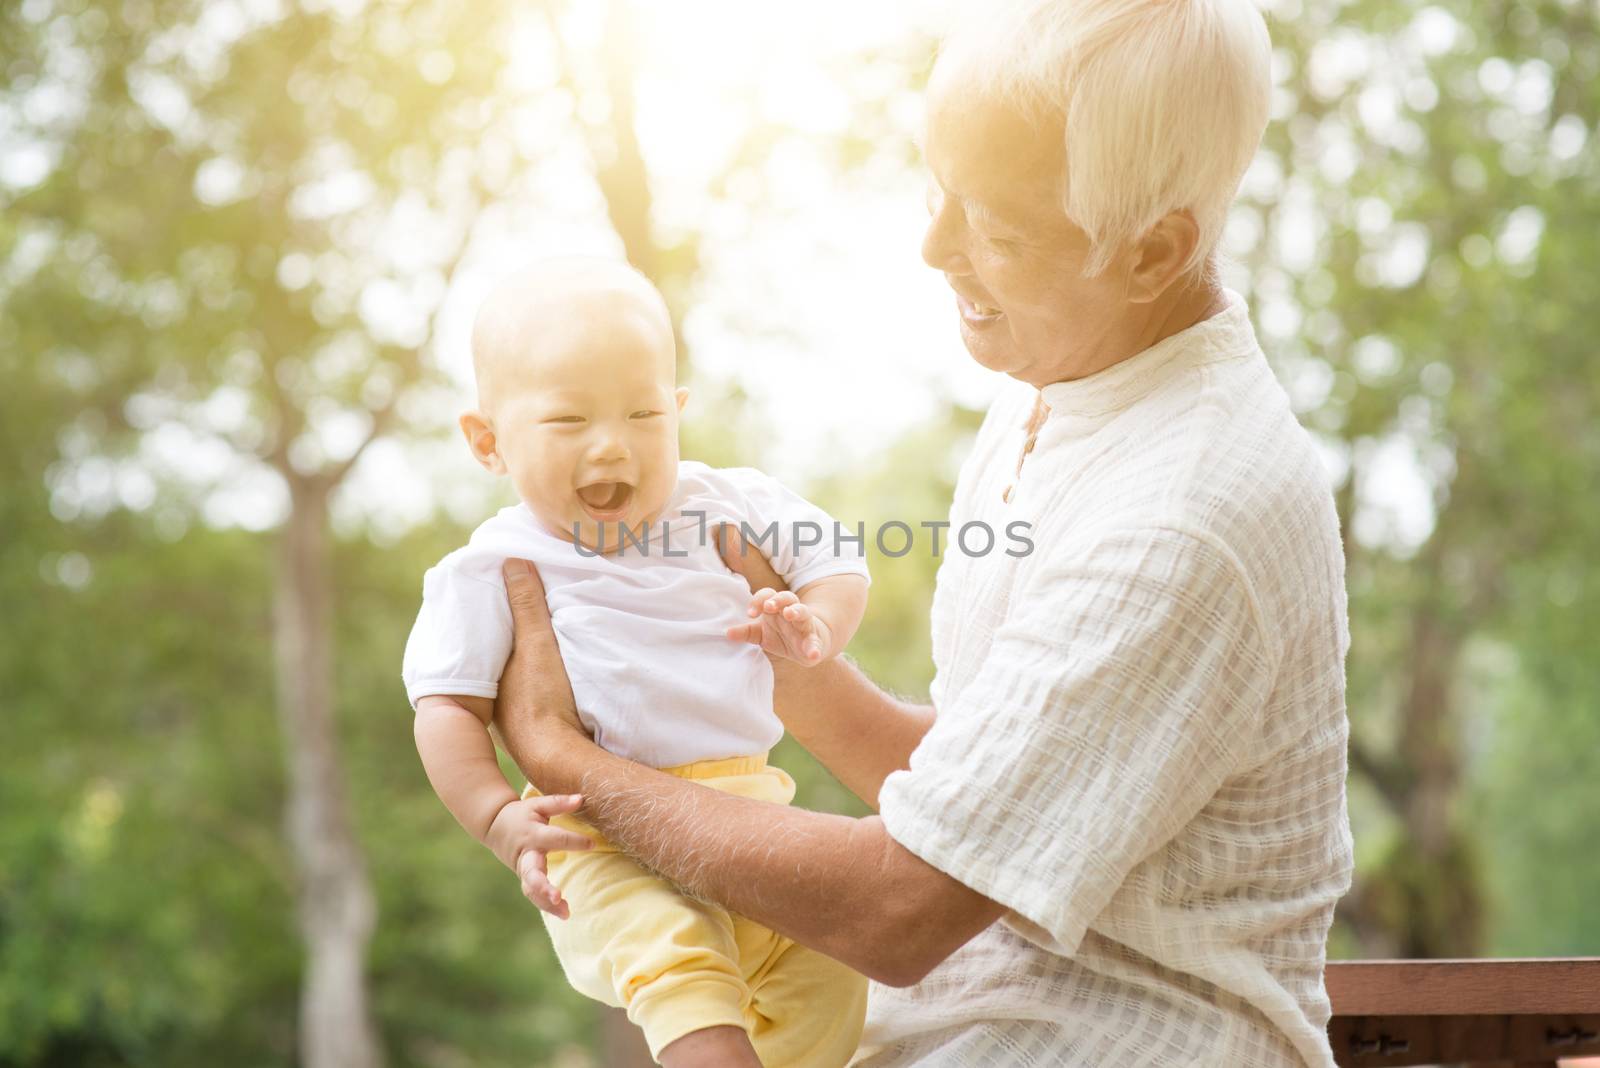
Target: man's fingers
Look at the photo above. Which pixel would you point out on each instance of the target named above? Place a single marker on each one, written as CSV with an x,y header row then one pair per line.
x,y
746,560
535,698
745,632
525,591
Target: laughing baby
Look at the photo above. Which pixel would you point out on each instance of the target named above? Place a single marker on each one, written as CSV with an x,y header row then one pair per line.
x,y
578,406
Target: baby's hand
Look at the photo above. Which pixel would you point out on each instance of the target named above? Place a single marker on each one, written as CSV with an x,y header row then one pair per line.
x,y
784,627
521,835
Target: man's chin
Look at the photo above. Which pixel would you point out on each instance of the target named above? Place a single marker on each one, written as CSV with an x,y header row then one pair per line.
x,y
989,350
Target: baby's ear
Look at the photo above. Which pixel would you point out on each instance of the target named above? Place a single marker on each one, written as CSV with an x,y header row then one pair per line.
x,y
683,396
480,439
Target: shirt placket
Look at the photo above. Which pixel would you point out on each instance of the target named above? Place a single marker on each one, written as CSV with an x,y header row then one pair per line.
x,y
978,598
1035,420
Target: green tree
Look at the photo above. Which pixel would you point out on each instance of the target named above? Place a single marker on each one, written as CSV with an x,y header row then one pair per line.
x,y
228,233
1422,213
227,241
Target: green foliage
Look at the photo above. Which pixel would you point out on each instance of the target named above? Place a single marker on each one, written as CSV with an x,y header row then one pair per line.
x,y
1431,240
201,261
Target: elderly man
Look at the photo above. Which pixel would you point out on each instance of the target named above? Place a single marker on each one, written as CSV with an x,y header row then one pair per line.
x,y
1117,834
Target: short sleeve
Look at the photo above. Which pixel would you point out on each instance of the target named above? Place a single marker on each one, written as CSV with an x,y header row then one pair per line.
x,y
803,542
1126,685
461,639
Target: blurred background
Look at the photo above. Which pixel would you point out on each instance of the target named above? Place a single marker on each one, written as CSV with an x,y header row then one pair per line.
x,y
241,243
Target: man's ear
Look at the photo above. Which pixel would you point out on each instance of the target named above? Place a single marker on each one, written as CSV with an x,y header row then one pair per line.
x,y
480,439
682,394
1161,254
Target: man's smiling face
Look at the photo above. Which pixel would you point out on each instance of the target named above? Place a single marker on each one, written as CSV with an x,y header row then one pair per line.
x,y
1000,234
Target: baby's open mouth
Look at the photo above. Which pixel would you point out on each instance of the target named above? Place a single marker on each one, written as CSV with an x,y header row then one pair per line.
x,y
605,500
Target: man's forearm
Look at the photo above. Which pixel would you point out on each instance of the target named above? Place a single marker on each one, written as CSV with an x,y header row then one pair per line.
x,y
836,884
858,731
839,885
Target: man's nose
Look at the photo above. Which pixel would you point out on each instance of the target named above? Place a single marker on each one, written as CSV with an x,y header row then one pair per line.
x,y
941,247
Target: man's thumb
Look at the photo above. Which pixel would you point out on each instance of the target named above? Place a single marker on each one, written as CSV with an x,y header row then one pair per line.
x,y
523,588
730,548
746,561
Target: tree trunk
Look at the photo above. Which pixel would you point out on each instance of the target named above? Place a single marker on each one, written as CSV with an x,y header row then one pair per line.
x,y
336,909
618,160
1423,898
1437,876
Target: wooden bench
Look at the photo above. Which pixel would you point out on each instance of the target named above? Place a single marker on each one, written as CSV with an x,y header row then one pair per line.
x,y
1522,1013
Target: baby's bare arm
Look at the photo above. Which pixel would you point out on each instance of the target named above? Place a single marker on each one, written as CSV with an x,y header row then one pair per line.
x,y
458,755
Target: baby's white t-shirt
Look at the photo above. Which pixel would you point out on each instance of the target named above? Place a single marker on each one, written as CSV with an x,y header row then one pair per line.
x,y
641,631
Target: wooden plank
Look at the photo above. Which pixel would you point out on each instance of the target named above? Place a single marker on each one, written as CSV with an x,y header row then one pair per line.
x,y
1569,985
1383,1041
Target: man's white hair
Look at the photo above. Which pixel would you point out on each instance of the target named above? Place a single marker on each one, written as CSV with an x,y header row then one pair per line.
x,y
1164,102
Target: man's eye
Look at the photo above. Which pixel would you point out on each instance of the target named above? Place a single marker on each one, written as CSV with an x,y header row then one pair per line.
x,y
1005,244
643,413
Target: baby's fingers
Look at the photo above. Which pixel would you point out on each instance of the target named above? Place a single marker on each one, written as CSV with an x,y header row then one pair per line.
x,y
537,887
543,893
556,840
759,599
548,805
780,601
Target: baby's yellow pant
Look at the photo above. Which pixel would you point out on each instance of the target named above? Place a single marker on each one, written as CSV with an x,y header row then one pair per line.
x,y
679,965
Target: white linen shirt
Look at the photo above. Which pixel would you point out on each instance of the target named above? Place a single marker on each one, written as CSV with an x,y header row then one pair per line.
x,y
1140,738
642,631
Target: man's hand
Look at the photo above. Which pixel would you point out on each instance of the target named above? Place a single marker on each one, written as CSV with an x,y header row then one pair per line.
x,y
521,835
534,689
745,560
784,627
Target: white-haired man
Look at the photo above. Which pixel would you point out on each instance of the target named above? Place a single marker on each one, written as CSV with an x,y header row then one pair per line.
x,y
1117,834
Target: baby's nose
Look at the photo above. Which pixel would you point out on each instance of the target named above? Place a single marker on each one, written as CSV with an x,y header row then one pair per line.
x,y
610,449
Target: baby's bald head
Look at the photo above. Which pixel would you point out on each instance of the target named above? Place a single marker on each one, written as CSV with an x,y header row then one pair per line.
x,y
539,318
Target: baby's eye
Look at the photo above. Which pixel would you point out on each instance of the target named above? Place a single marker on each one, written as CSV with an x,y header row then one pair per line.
x,y
643,413
563,419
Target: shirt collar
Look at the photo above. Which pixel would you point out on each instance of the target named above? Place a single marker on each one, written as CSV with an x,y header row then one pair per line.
x,y
1225,335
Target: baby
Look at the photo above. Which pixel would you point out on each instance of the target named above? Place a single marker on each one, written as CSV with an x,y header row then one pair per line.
x,y
578,404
